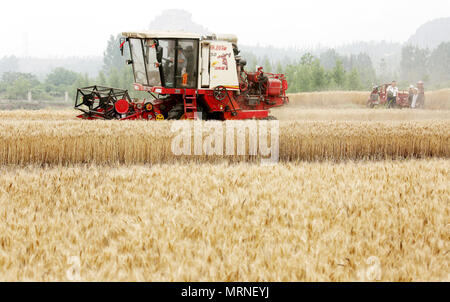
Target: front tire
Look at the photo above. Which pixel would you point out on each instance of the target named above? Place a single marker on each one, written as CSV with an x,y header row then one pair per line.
x,y
176,112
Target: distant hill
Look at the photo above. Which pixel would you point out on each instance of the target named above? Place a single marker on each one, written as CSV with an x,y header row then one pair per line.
x,y
431,34
177,20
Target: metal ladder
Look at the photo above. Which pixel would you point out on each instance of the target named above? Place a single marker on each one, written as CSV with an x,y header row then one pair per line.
x,y
190,105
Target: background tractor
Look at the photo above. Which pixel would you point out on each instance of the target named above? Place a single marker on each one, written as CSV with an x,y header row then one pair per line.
x,y
378,97
189,77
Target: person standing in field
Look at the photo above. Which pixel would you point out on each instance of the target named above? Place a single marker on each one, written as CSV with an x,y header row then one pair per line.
x,y
410,94
392,92
421,98
414,98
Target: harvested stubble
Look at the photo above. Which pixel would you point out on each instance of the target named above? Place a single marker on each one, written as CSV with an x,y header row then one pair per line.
x,y
293,113
330,99
106,142
384,220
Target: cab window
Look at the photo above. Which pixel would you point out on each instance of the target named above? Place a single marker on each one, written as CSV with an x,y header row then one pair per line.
x,y
152,67
137,56
167,49
186,73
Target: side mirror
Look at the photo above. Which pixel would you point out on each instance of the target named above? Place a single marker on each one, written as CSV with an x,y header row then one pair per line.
x,y
122,44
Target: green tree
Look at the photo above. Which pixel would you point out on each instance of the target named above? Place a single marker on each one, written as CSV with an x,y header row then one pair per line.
x,y
307,59
19,89
112,57
267,65
364,67
82,80
279,68
329,58
61,77
318,74
413,64
114,78
101,79
58,82
9,78
439,65
291,74
16,85
353,80
303,79
338,74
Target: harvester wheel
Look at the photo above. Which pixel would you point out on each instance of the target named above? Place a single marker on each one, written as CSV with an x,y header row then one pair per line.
x,y
220,93
370,104
176,112
270,118
148,107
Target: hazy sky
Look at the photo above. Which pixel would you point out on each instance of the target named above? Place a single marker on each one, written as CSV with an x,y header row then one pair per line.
x,y
47,28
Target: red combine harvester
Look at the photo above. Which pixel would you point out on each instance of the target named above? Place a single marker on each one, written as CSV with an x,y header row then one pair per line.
x,y
378,97
186,74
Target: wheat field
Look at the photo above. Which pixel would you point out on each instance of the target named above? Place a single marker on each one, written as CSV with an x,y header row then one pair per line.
x,y
439,99
239,222
134,142
293,113
358,195
42,114
285,113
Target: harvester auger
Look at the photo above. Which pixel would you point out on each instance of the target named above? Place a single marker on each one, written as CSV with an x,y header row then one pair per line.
x,y
186,74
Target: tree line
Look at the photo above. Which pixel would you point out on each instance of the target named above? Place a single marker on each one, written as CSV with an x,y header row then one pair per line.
x,y
432,67
332,71
325,71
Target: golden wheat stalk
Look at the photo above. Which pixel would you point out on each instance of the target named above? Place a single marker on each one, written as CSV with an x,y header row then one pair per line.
x,y
290,112
67,142
384,220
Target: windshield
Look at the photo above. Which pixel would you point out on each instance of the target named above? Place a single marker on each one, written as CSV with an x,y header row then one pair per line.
x,y
187,63
170,62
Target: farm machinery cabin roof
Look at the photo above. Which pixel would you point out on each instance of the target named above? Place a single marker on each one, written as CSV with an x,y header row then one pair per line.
x,y
188,76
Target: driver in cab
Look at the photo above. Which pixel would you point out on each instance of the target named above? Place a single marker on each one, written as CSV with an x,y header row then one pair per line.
x,y
181,66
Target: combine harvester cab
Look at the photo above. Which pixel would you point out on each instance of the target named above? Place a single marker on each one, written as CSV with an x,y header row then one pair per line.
x,y
188,77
